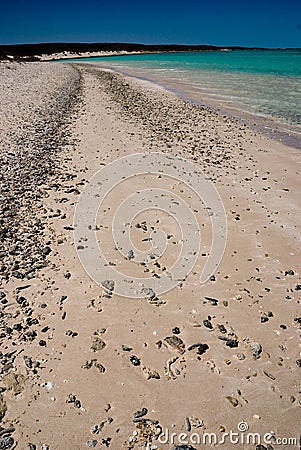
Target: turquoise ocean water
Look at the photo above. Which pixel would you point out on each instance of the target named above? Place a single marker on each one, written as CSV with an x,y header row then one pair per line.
x,y
263,87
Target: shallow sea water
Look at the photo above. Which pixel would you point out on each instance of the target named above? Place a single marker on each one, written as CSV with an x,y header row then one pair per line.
x,y
263,87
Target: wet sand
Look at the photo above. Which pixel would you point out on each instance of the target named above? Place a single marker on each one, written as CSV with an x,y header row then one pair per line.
x,y
83,368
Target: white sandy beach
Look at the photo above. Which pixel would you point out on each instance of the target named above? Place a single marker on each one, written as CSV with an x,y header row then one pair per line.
x,y
96,360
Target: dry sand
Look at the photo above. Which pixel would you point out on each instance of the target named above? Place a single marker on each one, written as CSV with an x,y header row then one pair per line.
x,y
77,363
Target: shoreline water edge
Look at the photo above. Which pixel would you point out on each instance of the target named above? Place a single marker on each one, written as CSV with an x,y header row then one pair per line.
x,y
259,87
82,366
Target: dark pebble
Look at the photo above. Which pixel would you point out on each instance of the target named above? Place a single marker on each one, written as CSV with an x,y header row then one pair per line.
x,y
264,319
298,362
176,330
222,328
131,255
232,343
21,300
31,334
18,275
125,348
6,443
201,348
208,324
213,301
42,343
289,272
142,412
109,285
135,361
46,251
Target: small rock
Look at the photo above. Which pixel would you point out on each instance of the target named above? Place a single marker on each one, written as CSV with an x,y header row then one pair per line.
x,y
232,343
240,356
71,333
208,324
188,424
109,285
149,293
149,374
213,301
142,412
100,367
131,255
221,328
6,443
298,362
176,330
97,344
269,375
196,422
256,349
88,364
264,319
135,361
72,399
14,382
3,407
234,402
91,443
289,272
175,343
46,251
125,348
201,348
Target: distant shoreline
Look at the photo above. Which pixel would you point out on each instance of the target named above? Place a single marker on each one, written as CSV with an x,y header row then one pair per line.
x,y
64,50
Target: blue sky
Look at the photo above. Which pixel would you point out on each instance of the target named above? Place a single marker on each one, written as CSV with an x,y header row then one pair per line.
x,y
230,22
